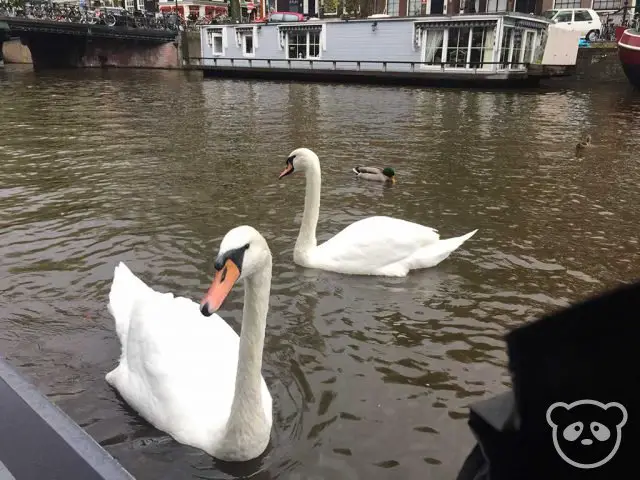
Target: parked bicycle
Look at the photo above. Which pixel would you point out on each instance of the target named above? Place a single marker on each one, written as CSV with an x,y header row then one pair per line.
x,y
109,16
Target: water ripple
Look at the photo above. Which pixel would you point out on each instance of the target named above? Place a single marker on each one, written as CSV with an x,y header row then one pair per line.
x,y
371,377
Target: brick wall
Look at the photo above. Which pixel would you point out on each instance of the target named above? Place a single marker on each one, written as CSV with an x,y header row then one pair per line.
x,y
66,51
109,53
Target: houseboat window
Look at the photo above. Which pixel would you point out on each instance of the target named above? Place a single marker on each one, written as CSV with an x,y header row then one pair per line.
x,y
517,49
303,44
529,39
607,4
214,39
457,46
481,50
247,44
433,46
393,8
505,48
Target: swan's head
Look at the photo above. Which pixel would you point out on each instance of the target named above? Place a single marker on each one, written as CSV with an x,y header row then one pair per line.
x,y
243,252
300,160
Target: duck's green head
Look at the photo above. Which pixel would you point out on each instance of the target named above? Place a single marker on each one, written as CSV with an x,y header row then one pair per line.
x,y
389,172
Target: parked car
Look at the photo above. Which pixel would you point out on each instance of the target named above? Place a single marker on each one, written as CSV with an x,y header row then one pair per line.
x,y
583,20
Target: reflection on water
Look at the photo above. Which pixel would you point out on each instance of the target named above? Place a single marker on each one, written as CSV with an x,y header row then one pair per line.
x,y
371,377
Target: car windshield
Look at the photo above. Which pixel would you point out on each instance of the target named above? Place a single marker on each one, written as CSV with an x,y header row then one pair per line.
x,y
549,14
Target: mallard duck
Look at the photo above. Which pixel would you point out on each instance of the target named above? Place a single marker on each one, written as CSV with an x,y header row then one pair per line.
x,y
375,174
586,142
378,245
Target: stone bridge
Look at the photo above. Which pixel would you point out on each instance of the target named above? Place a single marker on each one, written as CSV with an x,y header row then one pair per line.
x,y
77,45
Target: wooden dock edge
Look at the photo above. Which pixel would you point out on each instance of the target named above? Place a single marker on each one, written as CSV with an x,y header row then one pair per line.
x,y
39,441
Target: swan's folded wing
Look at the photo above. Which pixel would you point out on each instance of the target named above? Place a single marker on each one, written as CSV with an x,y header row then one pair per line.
x,y
375,242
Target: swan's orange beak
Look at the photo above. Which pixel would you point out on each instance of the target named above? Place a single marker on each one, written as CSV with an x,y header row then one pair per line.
x,y
222,284
287,170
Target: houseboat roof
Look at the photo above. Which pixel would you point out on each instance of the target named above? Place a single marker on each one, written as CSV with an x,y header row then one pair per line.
x,y
435,18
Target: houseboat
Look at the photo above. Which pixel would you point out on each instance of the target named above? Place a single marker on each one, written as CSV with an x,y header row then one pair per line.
x,y
470,49
629,53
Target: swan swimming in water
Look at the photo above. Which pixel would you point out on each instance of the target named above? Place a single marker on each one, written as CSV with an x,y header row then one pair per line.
x,y
371,246
192,376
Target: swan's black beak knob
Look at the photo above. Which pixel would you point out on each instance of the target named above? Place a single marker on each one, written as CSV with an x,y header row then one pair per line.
x,y
204,309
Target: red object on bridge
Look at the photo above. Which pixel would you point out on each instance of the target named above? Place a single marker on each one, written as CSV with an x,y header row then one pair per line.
x,y
214,11
165,8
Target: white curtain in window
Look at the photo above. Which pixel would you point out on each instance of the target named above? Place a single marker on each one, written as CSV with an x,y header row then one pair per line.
x,y
434,41
489,37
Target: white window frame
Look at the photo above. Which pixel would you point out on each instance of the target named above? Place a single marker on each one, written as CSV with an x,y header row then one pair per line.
x,y
243,44
212,34
445,50
504,30
308,33
241,40
533,45
521,58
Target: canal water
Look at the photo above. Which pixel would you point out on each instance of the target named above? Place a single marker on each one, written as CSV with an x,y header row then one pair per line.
x,y
371,377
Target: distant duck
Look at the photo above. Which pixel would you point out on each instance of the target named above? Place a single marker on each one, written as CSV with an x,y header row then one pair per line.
x,y
375,174
584,143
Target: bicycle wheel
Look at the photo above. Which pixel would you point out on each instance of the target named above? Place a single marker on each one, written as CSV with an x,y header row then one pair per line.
x,y
109,20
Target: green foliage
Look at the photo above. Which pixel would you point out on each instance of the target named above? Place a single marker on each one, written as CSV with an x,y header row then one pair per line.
x,y
331,6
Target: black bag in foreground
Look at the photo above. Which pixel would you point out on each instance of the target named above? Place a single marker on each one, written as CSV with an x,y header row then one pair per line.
x,y
574,411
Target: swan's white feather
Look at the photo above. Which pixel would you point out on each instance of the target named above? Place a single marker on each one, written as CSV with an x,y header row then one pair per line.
x,y
383,246
178,367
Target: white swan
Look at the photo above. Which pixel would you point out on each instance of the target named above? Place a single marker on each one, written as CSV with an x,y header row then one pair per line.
x,y
372,246
192,376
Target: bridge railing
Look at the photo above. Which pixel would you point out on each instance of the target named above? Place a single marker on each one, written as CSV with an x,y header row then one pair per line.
x,y
105,16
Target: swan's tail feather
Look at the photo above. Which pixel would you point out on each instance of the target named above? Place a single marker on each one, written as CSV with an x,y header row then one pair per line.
x,y
355,170
433,254
126,290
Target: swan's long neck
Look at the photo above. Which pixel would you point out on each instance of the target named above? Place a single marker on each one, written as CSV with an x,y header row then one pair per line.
x,y
307,236
247,418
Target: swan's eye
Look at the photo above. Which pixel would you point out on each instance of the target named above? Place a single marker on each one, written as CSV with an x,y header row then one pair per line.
x,y
290,160
246,247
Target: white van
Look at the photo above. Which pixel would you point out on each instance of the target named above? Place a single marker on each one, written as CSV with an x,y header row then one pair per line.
x,y
583,20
